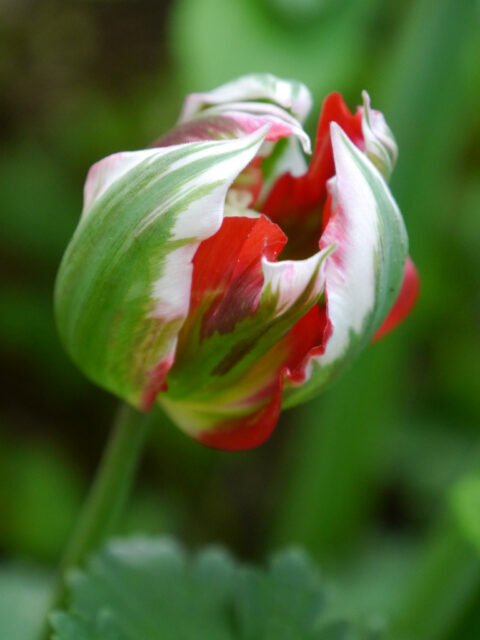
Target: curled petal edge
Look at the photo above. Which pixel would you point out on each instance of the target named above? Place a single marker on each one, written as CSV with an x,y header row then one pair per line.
x,y
289,94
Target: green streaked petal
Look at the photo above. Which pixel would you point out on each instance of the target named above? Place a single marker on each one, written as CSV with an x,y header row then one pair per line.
x,y
123,288
228,375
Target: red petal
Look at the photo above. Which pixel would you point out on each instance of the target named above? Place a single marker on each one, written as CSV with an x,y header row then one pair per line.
x,y
292,197
405,301
308,336
250,431
227,270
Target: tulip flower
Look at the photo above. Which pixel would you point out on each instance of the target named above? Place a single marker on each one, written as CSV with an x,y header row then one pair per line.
x,y
220,276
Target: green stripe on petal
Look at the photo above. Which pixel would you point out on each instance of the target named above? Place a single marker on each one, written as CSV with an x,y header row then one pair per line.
x,y
251,115
288,94
123,288
364,275
229,375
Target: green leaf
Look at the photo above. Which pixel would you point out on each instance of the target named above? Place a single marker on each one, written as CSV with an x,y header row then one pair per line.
x,y
24,596
151,589
465,499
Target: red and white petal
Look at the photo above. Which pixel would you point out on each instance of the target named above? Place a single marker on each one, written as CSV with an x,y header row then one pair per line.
x,y
364,275
287,281
241,432
250,116
294,197
231,353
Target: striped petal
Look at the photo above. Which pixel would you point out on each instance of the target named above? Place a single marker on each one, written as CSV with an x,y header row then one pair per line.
x,y
228,368
123,288
250,116
288,94
363,276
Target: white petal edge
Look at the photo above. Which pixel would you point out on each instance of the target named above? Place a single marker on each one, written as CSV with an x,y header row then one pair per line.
x,y
350,273
287,280
289,94
268,113
105,172
198,220
201,219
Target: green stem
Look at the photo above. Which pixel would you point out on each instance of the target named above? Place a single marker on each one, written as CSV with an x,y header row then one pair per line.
x,y
108,495
111,486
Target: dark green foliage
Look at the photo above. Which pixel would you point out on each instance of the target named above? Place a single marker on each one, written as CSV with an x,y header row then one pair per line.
x,y
151,589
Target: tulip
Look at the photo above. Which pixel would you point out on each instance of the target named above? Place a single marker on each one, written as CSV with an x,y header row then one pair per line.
x,y
219,276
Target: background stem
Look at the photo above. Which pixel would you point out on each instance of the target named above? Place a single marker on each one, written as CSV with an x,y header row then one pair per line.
x,y
111,486
107,497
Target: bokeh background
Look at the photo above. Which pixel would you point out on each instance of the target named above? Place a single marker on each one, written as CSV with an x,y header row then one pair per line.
x,y
363,475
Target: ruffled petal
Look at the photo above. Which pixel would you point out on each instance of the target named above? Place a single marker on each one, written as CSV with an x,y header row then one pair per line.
x,y
229,361
228,276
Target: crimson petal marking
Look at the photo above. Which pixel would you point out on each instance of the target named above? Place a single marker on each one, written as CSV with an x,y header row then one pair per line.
x,y
405,301
227,268
247,432
293,197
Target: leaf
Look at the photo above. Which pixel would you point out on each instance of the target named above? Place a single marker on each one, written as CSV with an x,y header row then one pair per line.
x,y
465,500
24,596
151,589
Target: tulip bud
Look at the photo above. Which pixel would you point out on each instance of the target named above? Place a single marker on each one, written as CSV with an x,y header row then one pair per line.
x,y
172,291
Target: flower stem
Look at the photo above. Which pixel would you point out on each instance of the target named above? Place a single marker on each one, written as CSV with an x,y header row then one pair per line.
x,y
108,494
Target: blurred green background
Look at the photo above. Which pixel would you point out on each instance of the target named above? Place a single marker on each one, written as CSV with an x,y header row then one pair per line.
x,y
363,475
